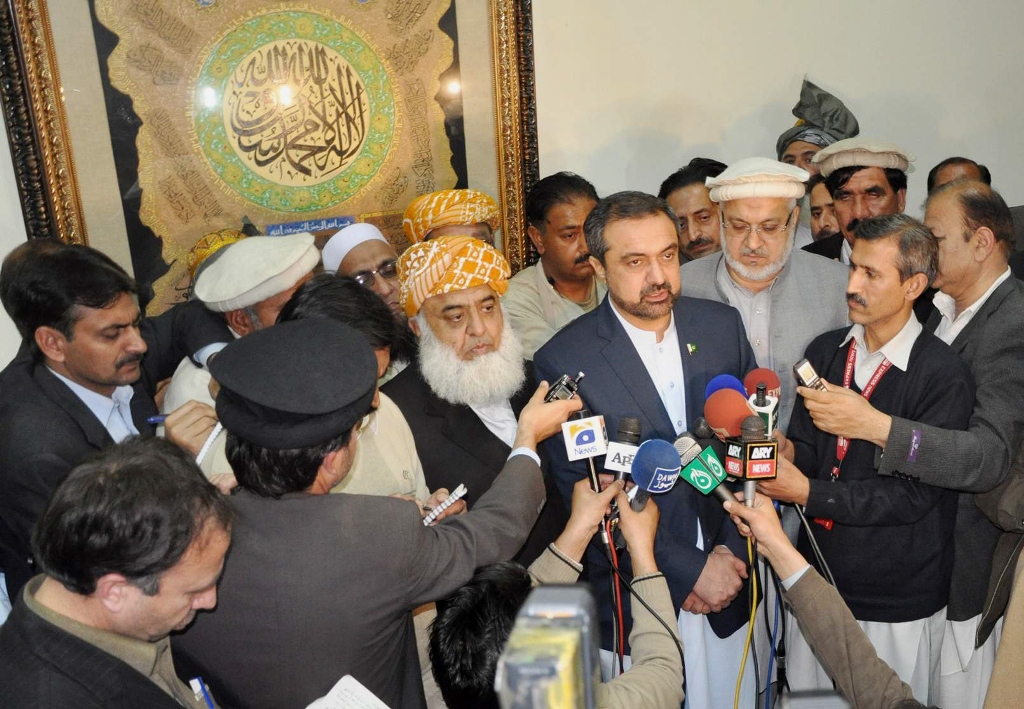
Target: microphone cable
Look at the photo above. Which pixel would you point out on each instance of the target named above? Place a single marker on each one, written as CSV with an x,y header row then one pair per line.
x,y
618,622
750,626
827,572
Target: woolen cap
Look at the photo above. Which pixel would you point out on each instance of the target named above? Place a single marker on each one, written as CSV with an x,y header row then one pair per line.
x,y
862,152
254,269
295,385
758,177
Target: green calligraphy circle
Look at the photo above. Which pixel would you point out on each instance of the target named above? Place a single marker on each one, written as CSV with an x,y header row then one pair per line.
x,y
294,111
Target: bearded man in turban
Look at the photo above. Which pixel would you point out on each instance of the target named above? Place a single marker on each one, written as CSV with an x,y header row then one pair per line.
x,y
463,396
452,213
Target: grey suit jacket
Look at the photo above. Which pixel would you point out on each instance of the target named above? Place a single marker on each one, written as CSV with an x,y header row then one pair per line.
x,y
978,459
808,299
319,586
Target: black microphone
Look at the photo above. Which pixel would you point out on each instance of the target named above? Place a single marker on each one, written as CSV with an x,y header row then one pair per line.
x,y
621,451
585,439
752,456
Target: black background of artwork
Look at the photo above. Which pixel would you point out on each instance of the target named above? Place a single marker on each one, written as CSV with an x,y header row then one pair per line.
x,y
145,246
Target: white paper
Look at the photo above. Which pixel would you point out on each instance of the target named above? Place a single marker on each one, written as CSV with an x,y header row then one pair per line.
x,y
348,694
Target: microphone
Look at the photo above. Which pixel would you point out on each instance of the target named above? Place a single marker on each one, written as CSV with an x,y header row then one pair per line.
x,y
725,410
585,439
752,456
621,451
701,466
655,469
724,381
764,390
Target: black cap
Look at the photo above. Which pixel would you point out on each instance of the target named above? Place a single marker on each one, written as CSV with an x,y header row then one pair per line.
x,y
295,385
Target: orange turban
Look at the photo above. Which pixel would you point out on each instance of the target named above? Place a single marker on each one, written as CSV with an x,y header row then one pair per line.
x,y
449,264
207,246
446,208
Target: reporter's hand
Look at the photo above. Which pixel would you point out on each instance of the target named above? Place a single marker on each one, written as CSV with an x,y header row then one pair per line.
x,y
588,511
786,448
540,420
440,495
639,530
190,425
762,522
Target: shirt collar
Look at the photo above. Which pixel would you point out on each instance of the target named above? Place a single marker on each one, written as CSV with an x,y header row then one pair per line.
x,y
141,655
947,306
644,338
725,278
897,350
99,405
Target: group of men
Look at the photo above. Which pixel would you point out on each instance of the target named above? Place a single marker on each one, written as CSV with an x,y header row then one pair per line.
x,y
393,379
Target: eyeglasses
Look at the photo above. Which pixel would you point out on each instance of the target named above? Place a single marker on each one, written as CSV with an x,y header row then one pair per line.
x,y
765,232
388,269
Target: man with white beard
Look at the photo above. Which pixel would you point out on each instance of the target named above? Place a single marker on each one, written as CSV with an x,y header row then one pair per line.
x,y
471,382
785,297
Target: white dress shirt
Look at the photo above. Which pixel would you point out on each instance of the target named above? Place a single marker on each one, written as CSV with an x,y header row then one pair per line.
x,y
499,419
896,350
113,412
952,324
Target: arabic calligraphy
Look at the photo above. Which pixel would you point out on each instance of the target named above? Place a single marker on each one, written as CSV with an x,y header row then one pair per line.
x,y
296,112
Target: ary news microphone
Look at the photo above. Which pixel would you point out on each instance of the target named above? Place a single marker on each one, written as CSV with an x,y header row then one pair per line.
x,y
764,390
703,468
724,381
620,454
752,455
654,470
725,410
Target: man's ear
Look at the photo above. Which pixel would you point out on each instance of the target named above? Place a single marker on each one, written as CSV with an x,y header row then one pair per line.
x,y
902,197
984,243
914,286
535,236
598,268
114,591
238,320
51,342
414,325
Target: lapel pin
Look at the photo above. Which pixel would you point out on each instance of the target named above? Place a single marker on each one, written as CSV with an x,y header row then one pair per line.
x,y
691,349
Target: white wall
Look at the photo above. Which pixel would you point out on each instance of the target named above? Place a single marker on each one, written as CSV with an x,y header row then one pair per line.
x,y
12,233
629,91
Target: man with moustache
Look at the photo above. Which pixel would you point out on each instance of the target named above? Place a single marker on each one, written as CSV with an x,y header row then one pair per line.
x,y
866,178
462,397
697,215
649,353
760,274
545,297
888,542
84,379
824,222
979,312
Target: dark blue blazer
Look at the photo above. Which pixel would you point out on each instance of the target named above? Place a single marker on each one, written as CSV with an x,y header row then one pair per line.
x,y
712,341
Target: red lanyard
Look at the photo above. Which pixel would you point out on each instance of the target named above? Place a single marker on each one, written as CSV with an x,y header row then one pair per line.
x,y
843,444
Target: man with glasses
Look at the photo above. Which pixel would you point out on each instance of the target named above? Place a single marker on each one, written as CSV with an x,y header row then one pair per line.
x,y
361,252
785,297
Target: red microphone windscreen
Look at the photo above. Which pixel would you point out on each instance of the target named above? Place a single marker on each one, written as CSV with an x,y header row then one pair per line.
x,y
771,382
725,411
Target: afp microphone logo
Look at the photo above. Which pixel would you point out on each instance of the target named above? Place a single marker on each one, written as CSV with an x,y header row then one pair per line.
x,y
585,438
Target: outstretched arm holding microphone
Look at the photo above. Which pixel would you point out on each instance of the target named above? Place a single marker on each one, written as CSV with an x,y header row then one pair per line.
x,y
826,623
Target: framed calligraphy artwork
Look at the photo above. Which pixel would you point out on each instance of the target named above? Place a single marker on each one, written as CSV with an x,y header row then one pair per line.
x,y
138,126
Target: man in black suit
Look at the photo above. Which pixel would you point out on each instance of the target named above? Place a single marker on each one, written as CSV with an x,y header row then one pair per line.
x,y
131,545
649,353
463,397
84,378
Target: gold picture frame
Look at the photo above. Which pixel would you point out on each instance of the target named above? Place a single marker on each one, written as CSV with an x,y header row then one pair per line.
x,y
57,203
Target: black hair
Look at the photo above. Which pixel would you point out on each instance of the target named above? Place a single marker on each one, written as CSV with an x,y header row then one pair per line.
x,y
985,175
343,299
696,171
15,270
816,179
46,288
272,472
980,206
618,207
134,509
560,188
918,247
471,630
897,179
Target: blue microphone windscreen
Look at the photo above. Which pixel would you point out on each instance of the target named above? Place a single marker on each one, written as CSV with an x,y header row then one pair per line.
x,y
655,466
724,381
